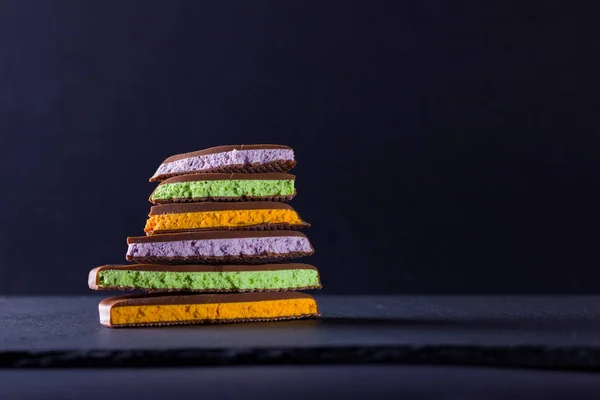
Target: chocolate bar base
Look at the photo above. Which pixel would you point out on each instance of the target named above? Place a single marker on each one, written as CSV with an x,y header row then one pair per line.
x,y
215,321
280,199
261,259
275,166
206,290
262,227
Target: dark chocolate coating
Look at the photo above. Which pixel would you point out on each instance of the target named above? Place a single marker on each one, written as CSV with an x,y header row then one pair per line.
x,y
258,227
209,235
175,299
244,259
268,176
223,149
179,208
207,268
274,166
224,199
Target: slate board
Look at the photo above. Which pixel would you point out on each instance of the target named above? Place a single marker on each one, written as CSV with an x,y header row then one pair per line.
x,y
541,332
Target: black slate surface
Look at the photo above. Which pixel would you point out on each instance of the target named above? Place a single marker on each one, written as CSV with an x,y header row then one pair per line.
x,y
547,332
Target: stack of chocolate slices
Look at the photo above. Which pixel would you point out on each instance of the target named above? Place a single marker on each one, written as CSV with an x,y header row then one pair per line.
x,y
220,225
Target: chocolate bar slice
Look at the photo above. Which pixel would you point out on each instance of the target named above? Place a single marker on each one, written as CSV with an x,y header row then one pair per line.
x,y
205,278
219,247
171,309
272,186
191,217
233,158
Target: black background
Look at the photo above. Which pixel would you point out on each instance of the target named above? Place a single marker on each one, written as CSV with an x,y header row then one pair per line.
x,y
442,147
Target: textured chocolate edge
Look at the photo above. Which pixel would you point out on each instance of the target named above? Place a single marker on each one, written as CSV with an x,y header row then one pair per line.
x,y
223,199
215,321
211,235
267,176
220,260
178,208
274,166
155,299
93,278
179,290
261,227
224,149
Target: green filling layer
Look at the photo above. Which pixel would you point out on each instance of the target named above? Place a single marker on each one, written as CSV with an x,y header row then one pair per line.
x,y
208,280
229,188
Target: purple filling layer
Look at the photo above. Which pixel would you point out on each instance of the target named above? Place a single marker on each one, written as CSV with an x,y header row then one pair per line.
x,y
234,157
221,247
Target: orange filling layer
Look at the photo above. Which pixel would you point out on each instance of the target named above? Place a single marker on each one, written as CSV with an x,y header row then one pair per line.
x,y
127,315
217,219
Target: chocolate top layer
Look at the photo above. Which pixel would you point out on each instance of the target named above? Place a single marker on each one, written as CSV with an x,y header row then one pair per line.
x,y
173,299
269,176
209,235
206,268
179,208
222,149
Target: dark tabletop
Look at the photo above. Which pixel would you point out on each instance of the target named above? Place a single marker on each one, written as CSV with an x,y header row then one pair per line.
x,y
548,332
298,382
